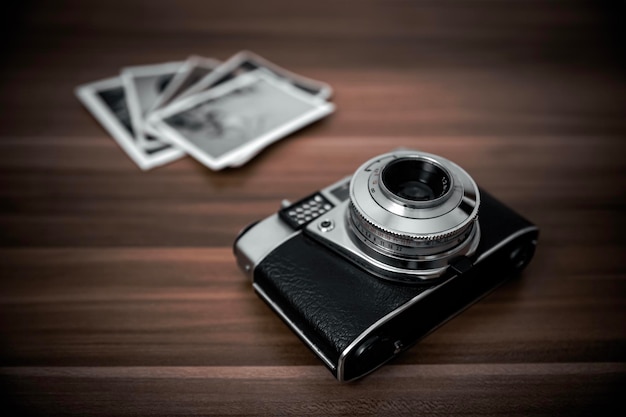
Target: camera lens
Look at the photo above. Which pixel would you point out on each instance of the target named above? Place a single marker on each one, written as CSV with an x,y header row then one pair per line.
x,y
413,212
415,179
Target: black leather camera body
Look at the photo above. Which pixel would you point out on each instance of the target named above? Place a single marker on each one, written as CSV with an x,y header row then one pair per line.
x,y
364,268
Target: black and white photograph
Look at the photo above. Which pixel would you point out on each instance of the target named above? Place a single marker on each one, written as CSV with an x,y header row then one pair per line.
x,y
193,70
246,61
238,118
144,85
107,102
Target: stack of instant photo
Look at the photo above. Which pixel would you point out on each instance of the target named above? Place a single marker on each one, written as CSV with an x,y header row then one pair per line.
x,y
222,114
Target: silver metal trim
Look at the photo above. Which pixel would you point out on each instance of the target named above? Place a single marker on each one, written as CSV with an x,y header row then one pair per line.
x,y
504,242
262,238
293,327
265,236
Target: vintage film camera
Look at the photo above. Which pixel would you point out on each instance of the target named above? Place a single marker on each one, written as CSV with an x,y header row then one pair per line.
x,y
362,269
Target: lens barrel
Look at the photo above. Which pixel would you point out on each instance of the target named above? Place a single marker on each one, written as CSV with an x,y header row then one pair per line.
x,y
414,211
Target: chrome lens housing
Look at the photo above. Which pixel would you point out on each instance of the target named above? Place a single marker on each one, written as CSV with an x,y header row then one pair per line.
x,y
415,211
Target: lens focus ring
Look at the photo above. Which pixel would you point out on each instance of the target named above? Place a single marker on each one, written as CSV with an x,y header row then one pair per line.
x,y
404,239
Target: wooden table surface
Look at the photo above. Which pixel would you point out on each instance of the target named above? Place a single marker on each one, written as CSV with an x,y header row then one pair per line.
x,y
119,293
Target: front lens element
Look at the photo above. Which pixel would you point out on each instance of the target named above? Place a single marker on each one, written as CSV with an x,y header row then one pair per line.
x,y
415,179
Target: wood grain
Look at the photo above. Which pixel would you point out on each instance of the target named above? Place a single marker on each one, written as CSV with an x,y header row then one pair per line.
x,y
119,293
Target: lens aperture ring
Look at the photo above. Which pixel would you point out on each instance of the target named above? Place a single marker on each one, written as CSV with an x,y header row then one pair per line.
x,y
403,242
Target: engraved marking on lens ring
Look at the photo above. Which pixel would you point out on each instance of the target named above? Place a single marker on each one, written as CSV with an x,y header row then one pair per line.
x,y
413,225
405,246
